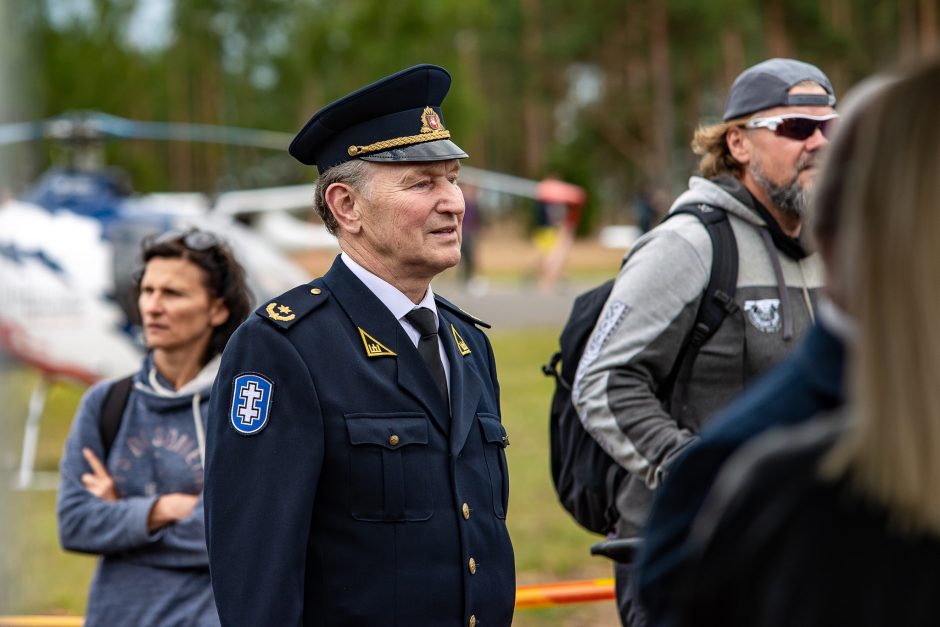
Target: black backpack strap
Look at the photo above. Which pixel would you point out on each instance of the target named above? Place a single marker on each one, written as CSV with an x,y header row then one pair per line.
x,y
718,298
111,411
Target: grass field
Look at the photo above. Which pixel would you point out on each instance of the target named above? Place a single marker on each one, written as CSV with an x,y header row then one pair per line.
x,y
42,579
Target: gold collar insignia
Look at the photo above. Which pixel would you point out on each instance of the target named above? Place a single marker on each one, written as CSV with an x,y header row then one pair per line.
x,y
375,348
461,345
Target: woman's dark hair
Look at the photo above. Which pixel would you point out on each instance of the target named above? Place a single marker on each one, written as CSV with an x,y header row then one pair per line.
x,y
225,277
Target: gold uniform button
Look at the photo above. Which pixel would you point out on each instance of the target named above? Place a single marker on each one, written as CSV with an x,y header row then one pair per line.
x,y
315,291
473,620
466,511
473,566
394,440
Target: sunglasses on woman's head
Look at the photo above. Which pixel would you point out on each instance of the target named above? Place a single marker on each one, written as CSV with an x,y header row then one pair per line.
x,y
796,126
192,239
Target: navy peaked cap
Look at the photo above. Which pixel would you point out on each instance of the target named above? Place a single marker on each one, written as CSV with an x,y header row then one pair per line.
x,y
395,119
767,85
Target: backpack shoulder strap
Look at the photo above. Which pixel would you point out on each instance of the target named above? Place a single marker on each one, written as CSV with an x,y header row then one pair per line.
x,y
111,411
719,293
718,298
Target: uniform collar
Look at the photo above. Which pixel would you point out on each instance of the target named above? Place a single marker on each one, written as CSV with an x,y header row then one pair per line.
x,y
390,296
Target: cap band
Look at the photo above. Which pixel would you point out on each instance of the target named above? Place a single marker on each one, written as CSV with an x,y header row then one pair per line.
x,y
358,151
810,100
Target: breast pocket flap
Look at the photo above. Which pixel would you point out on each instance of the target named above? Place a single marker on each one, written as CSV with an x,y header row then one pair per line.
x,y
493,430
391,431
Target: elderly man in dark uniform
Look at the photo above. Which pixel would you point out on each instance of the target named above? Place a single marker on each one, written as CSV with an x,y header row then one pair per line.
x,y
356,470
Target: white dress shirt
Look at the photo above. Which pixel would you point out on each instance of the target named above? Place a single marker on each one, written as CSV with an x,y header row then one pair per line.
x,y
399,304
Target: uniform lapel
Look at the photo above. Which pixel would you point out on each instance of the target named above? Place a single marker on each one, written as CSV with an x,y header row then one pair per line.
x,y
465,387
368,313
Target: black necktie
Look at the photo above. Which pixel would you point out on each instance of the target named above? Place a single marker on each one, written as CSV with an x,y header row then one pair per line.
x,y
422,319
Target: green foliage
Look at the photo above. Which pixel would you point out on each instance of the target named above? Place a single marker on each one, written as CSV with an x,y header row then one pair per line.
x,y
272,63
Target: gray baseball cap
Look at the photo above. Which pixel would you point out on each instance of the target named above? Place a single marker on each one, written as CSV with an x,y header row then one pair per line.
x,y
767,84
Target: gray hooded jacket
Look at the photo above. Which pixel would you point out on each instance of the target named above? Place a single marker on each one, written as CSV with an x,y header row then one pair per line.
x,y
650,313
142,578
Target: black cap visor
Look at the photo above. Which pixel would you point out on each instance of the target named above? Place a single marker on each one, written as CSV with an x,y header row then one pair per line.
x,y
439,150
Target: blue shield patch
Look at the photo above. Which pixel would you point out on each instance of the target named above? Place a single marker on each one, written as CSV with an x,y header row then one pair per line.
x,y
251,403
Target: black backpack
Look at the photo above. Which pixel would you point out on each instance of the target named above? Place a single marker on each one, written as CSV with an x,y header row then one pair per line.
x,y
112,409
586,478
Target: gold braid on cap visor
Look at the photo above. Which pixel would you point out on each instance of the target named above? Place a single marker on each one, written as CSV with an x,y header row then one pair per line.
x,y
357,151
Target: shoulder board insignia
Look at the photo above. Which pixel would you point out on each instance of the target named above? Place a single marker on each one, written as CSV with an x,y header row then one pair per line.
x,y
375,348
449,306
293,305
461,345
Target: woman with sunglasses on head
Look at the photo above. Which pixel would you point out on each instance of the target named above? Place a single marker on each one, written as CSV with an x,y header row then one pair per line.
x,y
136,501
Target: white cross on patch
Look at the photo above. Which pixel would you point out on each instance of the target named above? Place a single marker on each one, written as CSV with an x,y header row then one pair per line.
x,y
249,412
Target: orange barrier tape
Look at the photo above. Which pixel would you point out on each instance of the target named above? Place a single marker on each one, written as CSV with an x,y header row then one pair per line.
x,y
527,597
564,593
41,621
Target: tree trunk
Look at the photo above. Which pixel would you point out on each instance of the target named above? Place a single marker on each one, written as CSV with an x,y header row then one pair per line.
x,y
664,112
533,118
775,29
928,28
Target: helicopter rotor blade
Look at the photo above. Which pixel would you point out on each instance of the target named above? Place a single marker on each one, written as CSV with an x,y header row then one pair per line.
x,y
18,133
93,125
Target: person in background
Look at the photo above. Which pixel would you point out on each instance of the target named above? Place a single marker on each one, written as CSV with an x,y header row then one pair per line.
x,y
760,163
137,505
809,381
356,468
468,242
837,521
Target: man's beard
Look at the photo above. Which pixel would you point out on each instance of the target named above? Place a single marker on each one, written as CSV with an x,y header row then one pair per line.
x,y
791,198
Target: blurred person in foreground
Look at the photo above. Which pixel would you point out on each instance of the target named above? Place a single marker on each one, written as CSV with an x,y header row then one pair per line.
x,y
138,505
837,521
809,381
637,390
356,472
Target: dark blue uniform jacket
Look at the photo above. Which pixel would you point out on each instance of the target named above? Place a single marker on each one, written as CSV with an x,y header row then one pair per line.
x,y
359,497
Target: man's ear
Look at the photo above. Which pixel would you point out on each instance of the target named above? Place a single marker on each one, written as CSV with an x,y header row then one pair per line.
x,y
739,144
342,201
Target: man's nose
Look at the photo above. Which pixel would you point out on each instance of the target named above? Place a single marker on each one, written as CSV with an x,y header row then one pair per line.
x,y
453,202
816,141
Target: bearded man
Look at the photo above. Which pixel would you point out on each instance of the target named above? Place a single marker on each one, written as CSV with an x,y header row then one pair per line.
x,y
757,167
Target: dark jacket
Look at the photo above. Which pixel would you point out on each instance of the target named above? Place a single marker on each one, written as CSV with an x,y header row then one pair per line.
x,y
809,382
363,499
778,546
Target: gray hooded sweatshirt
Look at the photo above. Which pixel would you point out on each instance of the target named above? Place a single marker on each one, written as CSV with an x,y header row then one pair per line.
x,y
650,313
142,578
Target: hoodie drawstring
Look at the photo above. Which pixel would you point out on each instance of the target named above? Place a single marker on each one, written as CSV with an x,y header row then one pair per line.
x,y
200,431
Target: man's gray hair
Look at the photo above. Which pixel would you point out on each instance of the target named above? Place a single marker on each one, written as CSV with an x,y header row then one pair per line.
x,y
354,173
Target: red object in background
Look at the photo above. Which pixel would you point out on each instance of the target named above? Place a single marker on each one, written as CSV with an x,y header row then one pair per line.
x,y
553,190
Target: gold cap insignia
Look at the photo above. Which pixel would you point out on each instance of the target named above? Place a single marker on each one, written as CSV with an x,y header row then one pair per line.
x,y
375,348
281,313
430,121
461,345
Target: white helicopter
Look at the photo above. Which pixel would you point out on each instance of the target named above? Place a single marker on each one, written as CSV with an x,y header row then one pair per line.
x,y
68,248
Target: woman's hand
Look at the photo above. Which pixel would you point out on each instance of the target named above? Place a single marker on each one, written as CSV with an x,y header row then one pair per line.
x,y
171,507
98,481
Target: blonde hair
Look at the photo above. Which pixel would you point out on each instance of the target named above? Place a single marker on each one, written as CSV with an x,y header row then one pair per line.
x,y
711,145
886,163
